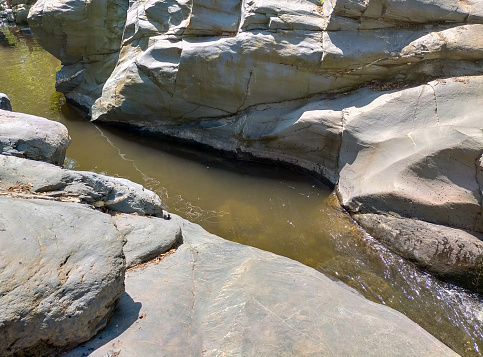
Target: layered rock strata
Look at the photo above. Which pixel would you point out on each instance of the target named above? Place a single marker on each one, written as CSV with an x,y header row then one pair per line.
x,y
281,81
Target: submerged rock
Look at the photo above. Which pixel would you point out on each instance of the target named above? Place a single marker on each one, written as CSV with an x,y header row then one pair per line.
x,y
453,254
32,137
26,31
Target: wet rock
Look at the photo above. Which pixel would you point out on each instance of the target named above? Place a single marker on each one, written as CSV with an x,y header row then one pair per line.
x,y
213,296
61,275
113,193
147,238
32,137
5,102
453,254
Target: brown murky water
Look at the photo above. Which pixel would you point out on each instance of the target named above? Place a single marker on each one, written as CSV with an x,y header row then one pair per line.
x,y
259,205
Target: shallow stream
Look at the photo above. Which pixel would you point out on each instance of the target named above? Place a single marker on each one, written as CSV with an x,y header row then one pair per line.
x,y
259,205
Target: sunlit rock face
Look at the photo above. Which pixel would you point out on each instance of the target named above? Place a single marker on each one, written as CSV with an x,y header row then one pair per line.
x,y
381,98
86,37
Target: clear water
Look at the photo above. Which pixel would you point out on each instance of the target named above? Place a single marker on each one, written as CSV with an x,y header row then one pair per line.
x,y
259,205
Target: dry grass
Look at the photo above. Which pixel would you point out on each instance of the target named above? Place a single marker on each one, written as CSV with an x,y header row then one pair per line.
x,y
155,261
20,187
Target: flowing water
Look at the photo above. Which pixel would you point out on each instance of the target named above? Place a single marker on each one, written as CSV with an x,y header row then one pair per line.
x,y
259,205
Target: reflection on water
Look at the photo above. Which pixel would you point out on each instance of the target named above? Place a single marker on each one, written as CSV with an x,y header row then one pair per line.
x,y
255,204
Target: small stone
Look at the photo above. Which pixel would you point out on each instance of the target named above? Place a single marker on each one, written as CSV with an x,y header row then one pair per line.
x,y
5,102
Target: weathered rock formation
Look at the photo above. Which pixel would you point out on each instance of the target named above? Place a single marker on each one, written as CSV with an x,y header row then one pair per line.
x,y
280,80
62,269
52,182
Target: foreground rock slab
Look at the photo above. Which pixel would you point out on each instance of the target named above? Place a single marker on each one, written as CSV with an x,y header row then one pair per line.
x,y
33,137
213,297
61,272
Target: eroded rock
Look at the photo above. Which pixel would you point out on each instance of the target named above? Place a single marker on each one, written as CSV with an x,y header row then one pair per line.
x,y
453,254
87,34
419,161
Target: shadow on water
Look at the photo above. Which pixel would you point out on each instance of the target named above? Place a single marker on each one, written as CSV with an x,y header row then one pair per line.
x,y
125,314
255,204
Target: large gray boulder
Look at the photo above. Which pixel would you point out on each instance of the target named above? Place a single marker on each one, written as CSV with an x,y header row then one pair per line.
x,y
43,180
62,270
416,161
213,297
400,161
33,137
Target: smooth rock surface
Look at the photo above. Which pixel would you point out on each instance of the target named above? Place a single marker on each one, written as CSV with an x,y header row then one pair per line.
x,y
88,34
33,137
49,181
146,237
213,297
61,272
